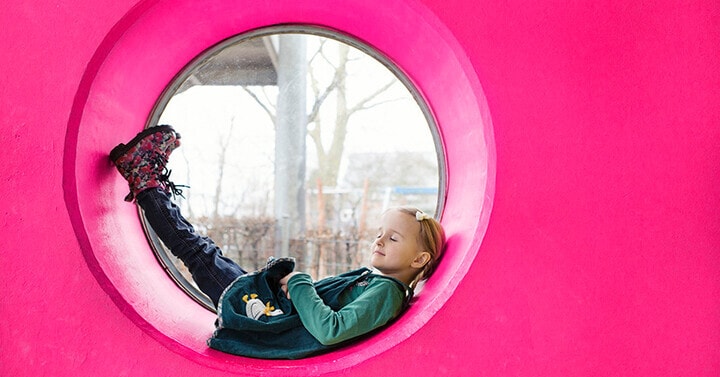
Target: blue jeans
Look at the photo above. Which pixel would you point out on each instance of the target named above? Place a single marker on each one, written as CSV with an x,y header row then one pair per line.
x,y
211,271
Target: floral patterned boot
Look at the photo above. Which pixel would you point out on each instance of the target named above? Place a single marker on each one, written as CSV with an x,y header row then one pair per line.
x,y
142,160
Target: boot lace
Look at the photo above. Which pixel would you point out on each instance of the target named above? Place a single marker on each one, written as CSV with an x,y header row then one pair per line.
x,y
164,178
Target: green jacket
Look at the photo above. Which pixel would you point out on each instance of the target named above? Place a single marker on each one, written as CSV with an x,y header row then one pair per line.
x,y
256,319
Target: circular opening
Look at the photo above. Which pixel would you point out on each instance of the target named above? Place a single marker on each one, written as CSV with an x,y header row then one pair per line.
x,y
120,88
295,139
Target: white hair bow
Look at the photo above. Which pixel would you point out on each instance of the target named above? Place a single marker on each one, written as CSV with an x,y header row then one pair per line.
x,y
420,216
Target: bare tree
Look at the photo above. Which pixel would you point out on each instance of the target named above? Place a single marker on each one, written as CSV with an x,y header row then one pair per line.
x,y
224,142
329,157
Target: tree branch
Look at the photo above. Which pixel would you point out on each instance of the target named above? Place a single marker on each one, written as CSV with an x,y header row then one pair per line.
x,y
269,111
365,107
320,100
360,105
317,52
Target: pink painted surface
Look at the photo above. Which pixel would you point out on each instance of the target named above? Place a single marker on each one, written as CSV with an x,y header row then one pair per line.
x,y
601,256
122,261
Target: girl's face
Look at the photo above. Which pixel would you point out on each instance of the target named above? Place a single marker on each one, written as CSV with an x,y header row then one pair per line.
x,y
396,250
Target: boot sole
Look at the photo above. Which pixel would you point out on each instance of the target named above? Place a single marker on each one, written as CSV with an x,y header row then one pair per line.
x,y
121,149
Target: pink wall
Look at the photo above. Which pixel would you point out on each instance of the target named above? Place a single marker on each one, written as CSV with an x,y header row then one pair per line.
x,y
589,129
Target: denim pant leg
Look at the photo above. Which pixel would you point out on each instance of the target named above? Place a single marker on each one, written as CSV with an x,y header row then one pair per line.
x,y
211,271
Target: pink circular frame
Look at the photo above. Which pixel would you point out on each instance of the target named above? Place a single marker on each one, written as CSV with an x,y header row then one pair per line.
x,y
141,55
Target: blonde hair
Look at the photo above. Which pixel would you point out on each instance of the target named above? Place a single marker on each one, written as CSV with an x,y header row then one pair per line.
x,y
431,238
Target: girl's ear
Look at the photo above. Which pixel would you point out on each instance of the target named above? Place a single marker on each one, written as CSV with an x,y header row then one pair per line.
x,y
421,260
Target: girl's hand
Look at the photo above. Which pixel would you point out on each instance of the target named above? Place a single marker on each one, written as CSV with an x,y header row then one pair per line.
x,y
284,281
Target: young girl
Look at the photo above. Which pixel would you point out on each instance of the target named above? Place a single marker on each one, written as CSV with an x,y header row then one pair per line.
x,y
276,312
